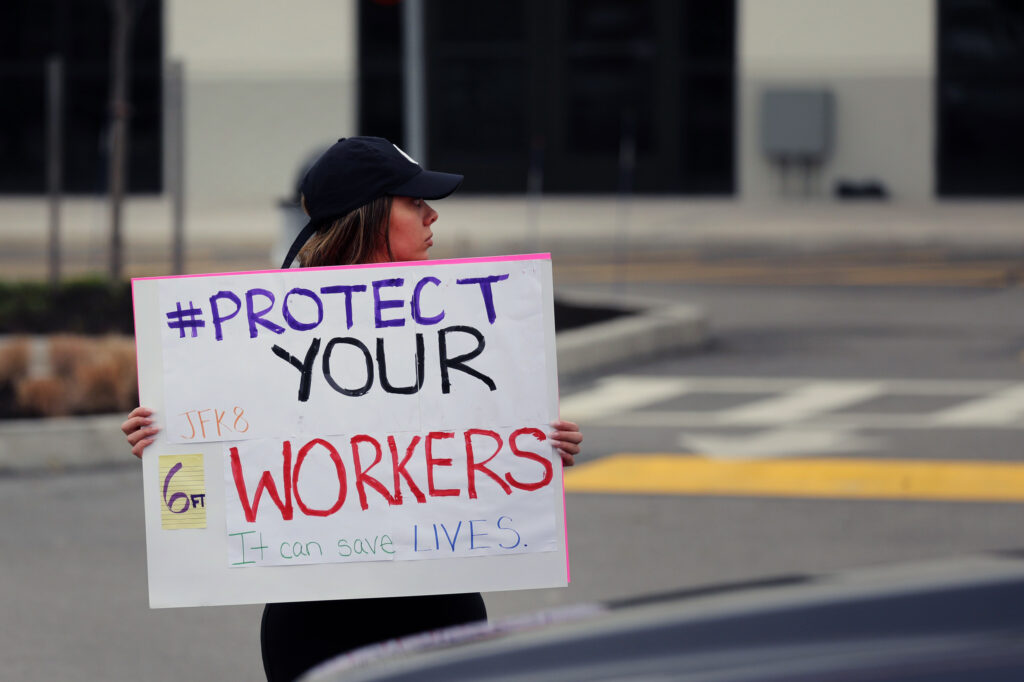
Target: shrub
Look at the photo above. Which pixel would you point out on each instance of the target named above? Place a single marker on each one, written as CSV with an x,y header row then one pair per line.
x,y
42,397
67,352
103,379
88,375
124,358
95,388
14,358
84,306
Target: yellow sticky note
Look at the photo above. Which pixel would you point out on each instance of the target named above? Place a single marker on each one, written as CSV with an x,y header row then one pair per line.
x,y
182,492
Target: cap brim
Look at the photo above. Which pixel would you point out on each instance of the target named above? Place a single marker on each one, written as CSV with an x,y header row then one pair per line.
x,y
429,185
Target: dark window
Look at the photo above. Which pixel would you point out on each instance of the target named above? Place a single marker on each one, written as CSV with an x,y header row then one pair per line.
x,y
565,83
981,98
706,60
610,75
478,90
380,69
78,32
605,76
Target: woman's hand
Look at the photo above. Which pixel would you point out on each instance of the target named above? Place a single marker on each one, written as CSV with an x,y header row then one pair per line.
x,y
139,429
567,438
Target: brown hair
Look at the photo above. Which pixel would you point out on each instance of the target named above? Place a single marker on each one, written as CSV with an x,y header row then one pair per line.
x,y
354,238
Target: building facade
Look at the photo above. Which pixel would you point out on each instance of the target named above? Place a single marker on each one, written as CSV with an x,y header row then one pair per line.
x,y
576,96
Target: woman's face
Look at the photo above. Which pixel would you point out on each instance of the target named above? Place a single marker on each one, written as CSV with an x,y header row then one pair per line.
x,y
409,229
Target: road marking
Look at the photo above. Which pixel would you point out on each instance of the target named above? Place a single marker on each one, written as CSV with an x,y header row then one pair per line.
x,y
671,474
622,401
684,419
618,394
1003,407
801,403
792,442
717,384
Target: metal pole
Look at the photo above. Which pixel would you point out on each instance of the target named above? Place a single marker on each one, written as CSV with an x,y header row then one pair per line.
x,y
535,190
118,130
414,81
175,93
54,157
627,170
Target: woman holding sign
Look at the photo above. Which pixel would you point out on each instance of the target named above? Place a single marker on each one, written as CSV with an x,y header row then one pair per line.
x,y
366,201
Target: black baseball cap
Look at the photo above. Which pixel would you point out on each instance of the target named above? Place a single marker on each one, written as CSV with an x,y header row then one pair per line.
x,y
356,170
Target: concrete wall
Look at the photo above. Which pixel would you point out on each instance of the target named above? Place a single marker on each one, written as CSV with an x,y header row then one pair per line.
x,y
267,82
876,56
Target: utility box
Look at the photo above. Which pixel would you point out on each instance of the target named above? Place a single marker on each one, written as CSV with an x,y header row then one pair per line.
x,y
797,125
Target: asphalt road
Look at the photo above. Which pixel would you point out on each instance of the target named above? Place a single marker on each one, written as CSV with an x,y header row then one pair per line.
x,y
945,340
73,584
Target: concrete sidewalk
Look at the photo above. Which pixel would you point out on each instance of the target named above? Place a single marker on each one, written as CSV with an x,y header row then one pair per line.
x,y
220,238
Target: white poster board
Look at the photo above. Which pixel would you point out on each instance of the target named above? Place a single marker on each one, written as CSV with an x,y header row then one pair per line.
x,y
357,431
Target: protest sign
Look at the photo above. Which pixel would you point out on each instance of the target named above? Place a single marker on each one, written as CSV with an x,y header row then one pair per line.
x,y
352,431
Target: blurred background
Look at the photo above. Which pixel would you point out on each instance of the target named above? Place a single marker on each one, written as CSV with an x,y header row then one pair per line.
x,y
735,123
823,195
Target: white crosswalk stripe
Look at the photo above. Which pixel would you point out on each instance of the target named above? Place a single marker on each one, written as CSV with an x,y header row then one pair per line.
x,y
801,403
786,441
638,401
1002,407
619,394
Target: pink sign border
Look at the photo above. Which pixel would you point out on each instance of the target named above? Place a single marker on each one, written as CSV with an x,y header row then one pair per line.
x,y
444,261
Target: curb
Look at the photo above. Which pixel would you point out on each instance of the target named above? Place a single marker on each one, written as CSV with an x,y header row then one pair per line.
x,y
60,443
67,443
651,330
